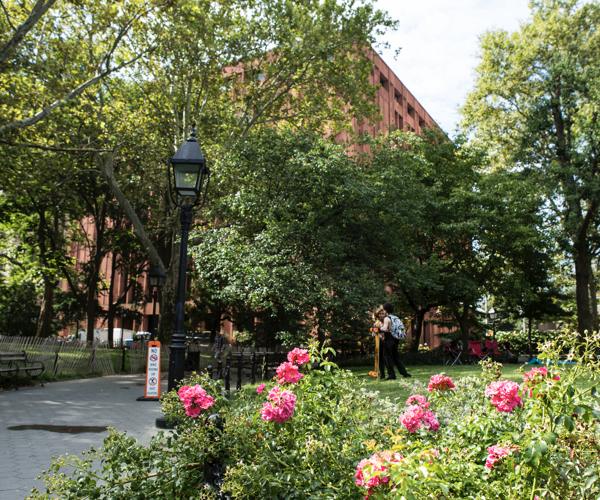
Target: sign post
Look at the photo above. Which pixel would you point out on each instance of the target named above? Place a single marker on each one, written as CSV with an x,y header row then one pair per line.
x,y
152,392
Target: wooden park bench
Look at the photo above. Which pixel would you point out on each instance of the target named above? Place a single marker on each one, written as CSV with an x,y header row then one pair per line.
x,y
13,363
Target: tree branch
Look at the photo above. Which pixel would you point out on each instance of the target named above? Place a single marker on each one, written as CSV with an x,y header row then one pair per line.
x,y
39,9
12,261
106,167
32,120
50,148
7,16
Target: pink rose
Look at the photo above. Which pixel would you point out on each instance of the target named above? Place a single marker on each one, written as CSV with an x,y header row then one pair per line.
x,y
287,372
194,399
415,417
504,394
298,356
260,388
377,464
533,377
496,453
440,383
418,399
281,407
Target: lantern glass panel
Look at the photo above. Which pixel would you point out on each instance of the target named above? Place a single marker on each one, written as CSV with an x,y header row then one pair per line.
x,y
187,176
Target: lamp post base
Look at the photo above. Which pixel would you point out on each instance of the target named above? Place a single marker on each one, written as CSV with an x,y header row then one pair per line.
x,y
163,423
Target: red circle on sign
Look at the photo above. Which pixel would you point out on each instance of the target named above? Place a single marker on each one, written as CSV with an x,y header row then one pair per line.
x,y
153,357
152,381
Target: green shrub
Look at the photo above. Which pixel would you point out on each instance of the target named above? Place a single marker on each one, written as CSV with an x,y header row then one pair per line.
x,y
551,441
519,343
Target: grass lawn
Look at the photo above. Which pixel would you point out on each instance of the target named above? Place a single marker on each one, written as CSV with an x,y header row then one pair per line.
x,y
390,389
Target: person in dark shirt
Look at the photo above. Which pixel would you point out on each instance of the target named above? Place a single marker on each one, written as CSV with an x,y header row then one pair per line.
x,y
219,346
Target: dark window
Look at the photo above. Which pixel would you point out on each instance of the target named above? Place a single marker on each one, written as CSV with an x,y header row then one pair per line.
x,y
384,82
411,110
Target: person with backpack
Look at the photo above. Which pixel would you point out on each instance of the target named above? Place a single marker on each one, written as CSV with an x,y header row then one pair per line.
x,y
394,331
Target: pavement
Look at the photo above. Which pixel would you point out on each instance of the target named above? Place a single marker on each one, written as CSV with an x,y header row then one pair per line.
x,y
103,401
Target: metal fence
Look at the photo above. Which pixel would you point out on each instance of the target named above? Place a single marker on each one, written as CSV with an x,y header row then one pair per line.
x,y
63,358
138,357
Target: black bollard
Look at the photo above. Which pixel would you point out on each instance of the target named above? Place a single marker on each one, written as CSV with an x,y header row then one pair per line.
x,y
239,377
252,364
219,370
228,375
209,370
214,471
266,367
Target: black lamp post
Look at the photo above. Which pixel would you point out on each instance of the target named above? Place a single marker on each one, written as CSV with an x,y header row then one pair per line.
x,y
188,191
156,277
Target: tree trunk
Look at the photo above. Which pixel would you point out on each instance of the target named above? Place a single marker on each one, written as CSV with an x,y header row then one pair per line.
x,y
417,329
465,328
582,284
529,339
98,255
45,318
593,298
168,297
110,314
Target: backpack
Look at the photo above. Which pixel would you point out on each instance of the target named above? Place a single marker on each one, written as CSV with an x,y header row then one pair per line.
x,y
397,330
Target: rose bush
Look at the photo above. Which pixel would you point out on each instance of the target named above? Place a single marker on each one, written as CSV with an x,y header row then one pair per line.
x,y
501,440
323,436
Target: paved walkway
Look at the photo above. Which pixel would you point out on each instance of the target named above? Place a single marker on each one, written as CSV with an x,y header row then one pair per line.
x,y
105,401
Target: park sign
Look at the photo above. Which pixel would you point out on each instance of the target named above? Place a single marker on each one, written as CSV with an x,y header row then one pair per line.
x,y
153,371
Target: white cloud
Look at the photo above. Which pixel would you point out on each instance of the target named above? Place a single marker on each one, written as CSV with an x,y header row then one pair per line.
x,y
439,41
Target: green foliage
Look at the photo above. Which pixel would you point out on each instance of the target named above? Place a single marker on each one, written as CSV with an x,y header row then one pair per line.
x,y
519,343
295,236
311,456
18,308
534,107
337,423
553,437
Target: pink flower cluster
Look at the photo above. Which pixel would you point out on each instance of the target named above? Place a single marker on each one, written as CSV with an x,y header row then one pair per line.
x,y
496,453
260,388
440,383
371,472
416,416
281,407
504,394
195,399
419,400
533,377
298,356
288,372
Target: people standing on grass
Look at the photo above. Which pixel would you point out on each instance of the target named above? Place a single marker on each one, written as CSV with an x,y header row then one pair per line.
x,y
393,330
219,346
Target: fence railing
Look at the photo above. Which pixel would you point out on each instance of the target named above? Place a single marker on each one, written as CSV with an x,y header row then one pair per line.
x,y
63,358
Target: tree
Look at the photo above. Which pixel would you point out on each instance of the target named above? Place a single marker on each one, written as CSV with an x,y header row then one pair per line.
x,y
42,65
222,66
295,237
534,107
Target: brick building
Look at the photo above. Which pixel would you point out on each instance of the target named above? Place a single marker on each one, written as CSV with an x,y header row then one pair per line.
x,y
399,109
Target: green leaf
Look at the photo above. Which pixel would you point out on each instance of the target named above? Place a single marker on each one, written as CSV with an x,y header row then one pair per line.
x,y
550,438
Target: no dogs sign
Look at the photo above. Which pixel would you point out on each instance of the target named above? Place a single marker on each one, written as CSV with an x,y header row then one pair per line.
x,y
153,371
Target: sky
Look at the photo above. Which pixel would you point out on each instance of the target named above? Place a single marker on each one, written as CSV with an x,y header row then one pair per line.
x,y
439,40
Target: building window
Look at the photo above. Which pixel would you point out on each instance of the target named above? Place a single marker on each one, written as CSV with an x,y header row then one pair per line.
x,y
397,97
421,123
384,82
411,111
